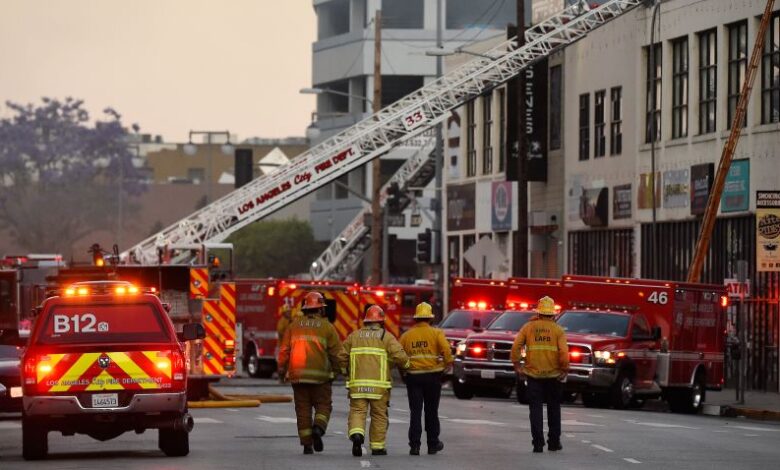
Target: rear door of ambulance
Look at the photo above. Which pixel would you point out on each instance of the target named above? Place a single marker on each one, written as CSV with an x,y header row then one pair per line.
x,y
91,350
257,303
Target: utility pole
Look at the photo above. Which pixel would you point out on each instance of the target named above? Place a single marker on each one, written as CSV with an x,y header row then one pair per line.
x,y
520,238
376,173
713,202
437,244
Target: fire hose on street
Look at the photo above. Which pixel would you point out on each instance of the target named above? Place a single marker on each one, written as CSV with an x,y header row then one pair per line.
x,y
218,399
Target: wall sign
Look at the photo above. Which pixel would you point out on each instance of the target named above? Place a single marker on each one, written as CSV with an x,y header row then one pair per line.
x,y
621,202
676,188
768,231
501,206
701,182
736,193
645,190
460,207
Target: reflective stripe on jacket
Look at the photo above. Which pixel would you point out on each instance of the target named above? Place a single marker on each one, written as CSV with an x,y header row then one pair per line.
x,y
310,350
367,356
546,351
427,348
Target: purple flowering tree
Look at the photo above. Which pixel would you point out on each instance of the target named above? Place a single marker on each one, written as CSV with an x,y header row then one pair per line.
x,y
60,173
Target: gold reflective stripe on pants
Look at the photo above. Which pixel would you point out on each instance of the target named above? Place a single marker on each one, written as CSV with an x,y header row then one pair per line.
x,y
377,445
539,347
354,431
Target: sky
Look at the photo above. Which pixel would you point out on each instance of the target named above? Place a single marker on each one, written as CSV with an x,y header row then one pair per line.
x,y
170,66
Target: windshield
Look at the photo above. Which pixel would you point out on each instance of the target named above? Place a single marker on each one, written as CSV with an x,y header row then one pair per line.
x,y
511,321
464,319
9,352
105,323
594,323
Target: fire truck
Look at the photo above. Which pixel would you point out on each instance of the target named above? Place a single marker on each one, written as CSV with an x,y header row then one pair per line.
x,y
22,288
631,339
197,289
482,362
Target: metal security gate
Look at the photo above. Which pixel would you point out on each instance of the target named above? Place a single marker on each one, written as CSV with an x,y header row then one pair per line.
x,y
602,252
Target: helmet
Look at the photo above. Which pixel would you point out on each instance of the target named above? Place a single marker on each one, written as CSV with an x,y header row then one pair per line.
x,y
313,301
423,311
374,314
546,306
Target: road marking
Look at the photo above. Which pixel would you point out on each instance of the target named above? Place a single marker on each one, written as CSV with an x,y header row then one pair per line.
x,y
10,425
585,442
632,460
271,419
397,421
721,431
400,409
565,412
365,464
605,449
338,432
754,428
477,421
658,425
233,409
570,436
574,422
202,420
595,416
751,435
444,417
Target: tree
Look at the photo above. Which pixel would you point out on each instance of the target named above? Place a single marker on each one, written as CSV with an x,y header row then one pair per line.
x,y
275,248
60,174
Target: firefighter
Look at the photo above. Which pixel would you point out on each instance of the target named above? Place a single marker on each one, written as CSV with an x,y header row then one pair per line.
x,y
367,357
284,321
545,368
308,357
429,355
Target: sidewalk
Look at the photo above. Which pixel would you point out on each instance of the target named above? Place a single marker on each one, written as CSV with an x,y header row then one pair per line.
x,y
758,405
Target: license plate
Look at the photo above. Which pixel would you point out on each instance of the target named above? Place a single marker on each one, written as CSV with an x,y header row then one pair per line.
x,y
105,400
16,392
488,374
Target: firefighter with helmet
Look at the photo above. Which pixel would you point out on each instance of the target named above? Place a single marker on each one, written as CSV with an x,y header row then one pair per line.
x,y
545,368
366,360
429,355
284,321
309,357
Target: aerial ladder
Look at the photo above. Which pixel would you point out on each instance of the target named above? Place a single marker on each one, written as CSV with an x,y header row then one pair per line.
x,y
407,118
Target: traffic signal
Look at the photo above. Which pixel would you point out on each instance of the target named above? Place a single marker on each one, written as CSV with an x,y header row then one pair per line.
x,y
425,246
393,202
97,255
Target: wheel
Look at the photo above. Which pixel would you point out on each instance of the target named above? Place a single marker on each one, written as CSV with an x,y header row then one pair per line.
x,y
568,397
505,392
521,389
689,400
265,372
622,392
593,400
174,442
35,440
253,364
462,391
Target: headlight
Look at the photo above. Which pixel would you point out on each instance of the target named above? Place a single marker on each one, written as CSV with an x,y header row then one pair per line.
x,y
460,348
604,357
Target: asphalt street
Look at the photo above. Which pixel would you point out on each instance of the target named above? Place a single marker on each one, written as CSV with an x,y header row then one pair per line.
x,y
478,434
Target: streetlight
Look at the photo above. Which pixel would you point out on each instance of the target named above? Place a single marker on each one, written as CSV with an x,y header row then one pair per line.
x,y
191,149
120,196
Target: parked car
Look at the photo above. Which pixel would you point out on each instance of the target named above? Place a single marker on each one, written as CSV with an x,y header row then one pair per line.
x,y
9,378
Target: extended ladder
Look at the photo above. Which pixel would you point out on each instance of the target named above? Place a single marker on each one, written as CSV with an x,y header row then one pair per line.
x,y
379,132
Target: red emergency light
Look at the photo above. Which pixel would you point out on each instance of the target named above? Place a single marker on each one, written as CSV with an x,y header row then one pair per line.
x,y
724,301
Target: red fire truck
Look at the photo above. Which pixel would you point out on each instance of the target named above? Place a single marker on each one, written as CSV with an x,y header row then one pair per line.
x,y
474,303
631,339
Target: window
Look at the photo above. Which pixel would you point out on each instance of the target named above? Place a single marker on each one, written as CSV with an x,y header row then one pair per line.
x,y
501,129
487,134
471,131
395,87
708,81
770,76
599,138
403,14
196,175
616,125
465,14
653,108
555,107
468,242
737,66
640,327
585,126
680,88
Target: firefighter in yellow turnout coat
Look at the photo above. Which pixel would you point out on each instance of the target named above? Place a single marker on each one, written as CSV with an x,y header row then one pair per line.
x,y
309,357
367,359
429,353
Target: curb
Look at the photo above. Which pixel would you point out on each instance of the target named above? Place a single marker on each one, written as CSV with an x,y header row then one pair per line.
x,y
728,411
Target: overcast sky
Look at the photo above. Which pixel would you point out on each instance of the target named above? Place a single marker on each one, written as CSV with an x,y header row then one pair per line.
x,y
169,65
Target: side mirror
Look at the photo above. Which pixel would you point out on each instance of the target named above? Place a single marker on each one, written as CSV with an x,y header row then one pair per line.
x,y
166,307
656,331
191,332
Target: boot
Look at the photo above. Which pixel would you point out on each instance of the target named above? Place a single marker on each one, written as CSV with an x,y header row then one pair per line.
x,y
438,447
307,450
316,436
414,450
552,446
378,451
357,445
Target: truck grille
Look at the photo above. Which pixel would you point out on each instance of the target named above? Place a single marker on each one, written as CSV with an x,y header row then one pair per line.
x,y
580,354
489,350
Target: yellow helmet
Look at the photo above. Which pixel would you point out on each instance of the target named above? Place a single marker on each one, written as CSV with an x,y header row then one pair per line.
x,y
423,311
546,306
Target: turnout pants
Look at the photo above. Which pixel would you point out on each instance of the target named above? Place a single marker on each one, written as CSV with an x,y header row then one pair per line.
x,y
541,391
424,392
308,398
359,408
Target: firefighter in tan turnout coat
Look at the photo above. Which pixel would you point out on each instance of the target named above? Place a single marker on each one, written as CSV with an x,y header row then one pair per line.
x,y
309,357
366,360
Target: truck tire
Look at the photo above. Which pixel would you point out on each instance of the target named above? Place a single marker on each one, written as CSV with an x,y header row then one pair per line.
x,y
253,364
593,400
689,400
462,391
621,394
521,392
35,440
174,442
